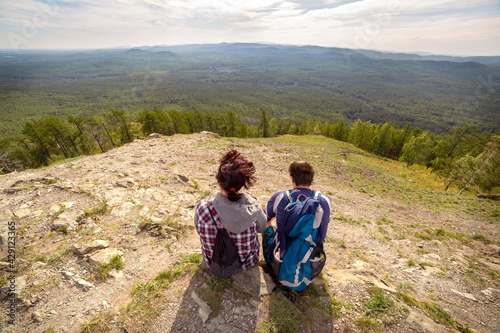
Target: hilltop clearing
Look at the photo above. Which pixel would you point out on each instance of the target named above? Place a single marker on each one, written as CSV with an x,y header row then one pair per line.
x,y
107,243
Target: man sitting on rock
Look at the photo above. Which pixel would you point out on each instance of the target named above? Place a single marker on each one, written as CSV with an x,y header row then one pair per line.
x,y
285,223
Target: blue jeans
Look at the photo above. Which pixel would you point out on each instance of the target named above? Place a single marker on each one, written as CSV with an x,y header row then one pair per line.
x,y
267,243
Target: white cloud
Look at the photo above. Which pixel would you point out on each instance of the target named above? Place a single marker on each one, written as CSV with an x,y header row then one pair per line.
x,y
389,24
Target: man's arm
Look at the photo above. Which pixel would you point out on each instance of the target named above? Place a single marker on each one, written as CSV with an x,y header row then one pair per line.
x,y
270,206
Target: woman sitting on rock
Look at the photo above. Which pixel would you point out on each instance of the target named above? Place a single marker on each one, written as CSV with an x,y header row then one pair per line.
x,y
239,214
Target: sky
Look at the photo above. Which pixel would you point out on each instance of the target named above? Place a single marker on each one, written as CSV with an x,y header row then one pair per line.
x,y
448,27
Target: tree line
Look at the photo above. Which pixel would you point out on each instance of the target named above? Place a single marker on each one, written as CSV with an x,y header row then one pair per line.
x,y
465,157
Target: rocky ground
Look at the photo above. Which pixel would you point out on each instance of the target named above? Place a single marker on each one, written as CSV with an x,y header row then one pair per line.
x,y
95,235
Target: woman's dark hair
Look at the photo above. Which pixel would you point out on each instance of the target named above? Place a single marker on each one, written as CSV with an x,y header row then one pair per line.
x,y
302,173
235,172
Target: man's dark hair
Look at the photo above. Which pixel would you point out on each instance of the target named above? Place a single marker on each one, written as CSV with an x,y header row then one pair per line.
x,y
302,173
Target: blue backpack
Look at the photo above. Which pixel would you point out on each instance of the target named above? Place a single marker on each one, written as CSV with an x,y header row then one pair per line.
x,y
296,259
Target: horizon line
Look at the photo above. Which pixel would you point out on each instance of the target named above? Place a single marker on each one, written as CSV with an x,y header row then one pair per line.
x,y
118,47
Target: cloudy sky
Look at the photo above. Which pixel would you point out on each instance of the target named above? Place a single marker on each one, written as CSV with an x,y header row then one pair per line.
x,y
452,27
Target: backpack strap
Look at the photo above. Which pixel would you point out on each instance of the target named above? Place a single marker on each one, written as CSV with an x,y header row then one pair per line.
x,y
282,196
217,223
291,197
318,219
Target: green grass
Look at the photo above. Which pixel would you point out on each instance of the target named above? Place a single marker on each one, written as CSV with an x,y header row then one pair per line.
x,y
424,264
100,323
339,242
350,221
435,311
102,272
443,235
58,256
148,298
381,306
480,238
96,210
404,287
311,310
378,303
369,325
283,316
411,262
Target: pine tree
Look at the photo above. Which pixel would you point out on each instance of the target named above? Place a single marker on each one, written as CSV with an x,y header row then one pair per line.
x,y
263,127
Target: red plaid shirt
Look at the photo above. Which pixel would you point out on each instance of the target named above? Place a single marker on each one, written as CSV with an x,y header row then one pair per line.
x,y
247,242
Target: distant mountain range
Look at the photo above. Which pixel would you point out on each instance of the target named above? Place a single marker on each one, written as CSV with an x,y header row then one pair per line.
x,y
293,83
276,49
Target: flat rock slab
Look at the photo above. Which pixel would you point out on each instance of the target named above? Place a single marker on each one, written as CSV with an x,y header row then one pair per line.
x,y
253,281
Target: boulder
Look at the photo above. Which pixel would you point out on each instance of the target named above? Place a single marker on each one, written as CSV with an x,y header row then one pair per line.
x,y
215,135
154,136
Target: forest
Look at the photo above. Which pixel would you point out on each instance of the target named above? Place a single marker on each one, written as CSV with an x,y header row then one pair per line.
x,y
440,112
466,157
292,83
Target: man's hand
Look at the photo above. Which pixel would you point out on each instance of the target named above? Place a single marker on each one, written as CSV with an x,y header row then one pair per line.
x,y
271,222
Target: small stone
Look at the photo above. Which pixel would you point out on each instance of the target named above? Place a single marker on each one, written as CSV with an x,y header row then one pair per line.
x,y
85,285
184,179
487,292
68,275
37,317
464,295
